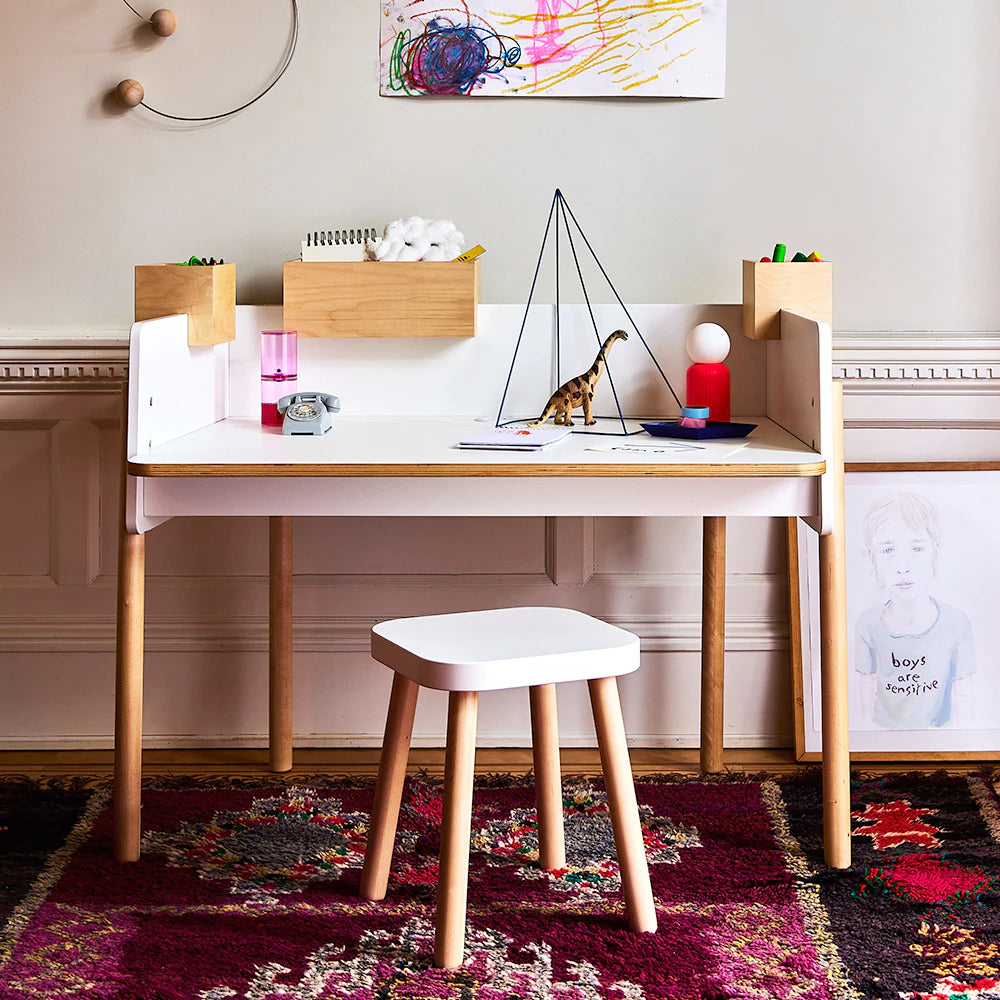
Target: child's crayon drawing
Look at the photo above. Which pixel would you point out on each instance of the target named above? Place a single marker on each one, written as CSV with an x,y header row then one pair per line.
x,y
584,48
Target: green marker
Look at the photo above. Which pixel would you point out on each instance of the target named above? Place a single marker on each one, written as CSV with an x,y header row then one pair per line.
x,y
799,258
779,253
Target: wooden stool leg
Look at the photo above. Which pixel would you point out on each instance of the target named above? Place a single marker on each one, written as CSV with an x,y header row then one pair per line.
x,y
389,787
456,829
639,905
548,776
128,695
833,662
280,643
713,641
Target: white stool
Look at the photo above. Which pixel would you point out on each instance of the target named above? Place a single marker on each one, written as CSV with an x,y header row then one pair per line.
x,y
488,651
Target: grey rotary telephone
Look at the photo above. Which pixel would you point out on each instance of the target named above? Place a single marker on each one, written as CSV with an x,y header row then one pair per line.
x,y
307,412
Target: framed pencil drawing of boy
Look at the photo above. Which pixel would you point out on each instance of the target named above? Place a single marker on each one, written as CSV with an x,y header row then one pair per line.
x,y
923,613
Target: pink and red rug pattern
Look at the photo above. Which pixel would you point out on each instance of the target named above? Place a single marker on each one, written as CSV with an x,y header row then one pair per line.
x,y
252,892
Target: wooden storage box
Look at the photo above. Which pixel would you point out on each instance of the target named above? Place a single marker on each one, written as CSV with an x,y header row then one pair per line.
x,y
805,288
381,299
206,293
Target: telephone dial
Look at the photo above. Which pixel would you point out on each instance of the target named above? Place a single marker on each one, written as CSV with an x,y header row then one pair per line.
x,y
307,412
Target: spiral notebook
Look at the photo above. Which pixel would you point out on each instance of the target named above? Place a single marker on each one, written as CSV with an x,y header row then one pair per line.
x,y
338,244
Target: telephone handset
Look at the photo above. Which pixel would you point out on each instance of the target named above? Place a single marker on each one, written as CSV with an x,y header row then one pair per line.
x,y
307,412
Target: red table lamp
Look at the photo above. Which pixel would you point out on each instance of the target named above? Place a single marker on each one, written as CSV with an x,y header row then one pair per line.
x,y
708,378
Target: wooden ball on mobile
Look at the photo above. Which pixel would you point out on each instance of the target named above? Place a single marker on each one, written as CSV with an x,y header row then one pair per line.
x,y
130,93
164,22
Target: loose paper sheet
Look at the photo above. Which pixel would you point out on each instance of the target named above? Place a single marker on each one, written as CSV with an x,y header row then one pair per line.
x,y
564,48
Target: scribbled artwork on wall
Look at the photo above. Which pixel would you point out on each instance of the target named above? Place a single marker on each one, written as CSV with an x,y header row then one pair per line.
x,y
556,48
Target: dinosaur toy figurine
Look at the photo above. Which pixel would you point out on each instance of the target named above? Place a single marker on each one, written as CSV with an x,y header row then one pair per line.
x,y
578,391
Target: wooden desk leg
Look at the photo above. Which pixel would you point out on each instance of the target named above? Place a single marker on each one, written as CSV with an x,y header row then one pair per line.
x,y
833,647
280,644
713,641
128,695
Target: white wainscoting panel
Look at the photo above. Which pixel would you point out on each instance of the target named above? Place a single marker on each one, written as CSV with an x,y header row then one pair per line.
x,y
25,516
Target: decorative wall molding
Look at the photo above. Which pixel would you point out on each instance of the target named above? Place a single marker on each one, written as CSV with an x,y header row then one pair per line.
x,y
919,382
569,549
434,740
92,360
75,502
862,356
343,634
77,370
903,360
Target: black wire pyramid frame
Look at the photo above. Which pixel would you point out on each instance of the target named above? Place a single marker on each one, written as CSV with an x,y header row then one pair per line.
x,y
560,210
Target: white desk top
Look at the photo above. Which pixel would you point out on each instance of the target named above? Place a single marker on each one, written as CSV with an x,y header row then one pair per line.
x,y
426,446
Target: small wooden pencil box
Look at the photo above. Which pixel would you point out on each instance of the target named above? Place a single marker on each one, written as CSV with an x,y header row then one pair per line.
x,y
802,287
207,293
381,298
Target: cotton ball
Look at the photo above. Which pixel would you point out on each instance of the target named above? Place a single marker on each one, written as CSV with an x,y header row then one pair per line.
x,y
389,248
416,238
392,243
447,239
420,245
707,344
413,229
444,233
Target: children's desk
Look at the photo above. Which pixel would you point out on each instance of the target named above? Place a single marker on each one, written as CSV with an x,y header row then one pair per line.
x,y
190,452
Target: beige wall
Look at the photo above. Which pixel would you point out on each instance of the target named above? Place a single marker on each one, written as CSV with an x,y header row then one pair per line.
x,y
857,128
860,129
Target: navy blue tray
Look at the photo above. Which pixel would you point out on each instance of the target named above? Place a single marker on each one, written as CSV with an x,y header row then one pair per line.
x,y
712,429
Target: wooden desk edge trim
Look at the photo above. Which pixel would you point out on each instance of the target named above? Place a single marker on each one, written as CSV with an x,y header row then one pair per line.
x,y
153,470
969,466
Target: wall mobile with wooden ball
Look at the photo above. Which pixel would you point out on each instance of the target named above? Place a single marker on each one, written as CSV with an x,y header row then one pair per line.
x,y
163,22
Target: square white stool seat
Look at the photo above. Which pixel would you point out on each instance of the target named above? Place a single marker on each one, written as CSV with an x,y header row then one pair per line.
x,y
477,651
505,648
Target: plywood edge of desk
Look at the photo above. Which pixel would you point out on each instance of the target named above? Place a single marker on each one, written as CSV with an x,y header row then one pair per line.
x,y
714,471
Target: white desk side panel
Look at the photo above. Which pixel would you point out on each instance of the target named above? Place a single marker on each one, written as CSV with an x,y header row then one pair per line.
x,y
401,376
799,394
173,389
634,374
466,377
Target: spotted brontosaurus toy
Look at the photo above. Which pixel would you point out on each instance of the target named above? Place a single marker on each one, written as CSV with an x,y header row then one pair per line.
x,y
578,391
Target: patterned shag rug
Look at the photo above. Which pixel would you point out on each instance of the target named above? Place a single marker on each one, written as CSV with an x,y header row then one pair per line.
x,y
251,891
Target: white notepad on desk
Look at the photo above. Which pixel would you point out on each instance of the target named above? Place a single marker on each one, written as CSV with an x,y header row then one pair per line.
x,y
514,438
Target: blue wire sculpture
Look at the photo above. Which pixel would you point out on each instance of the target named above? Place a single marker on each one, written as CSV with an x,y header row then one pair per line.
x,y
562,214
